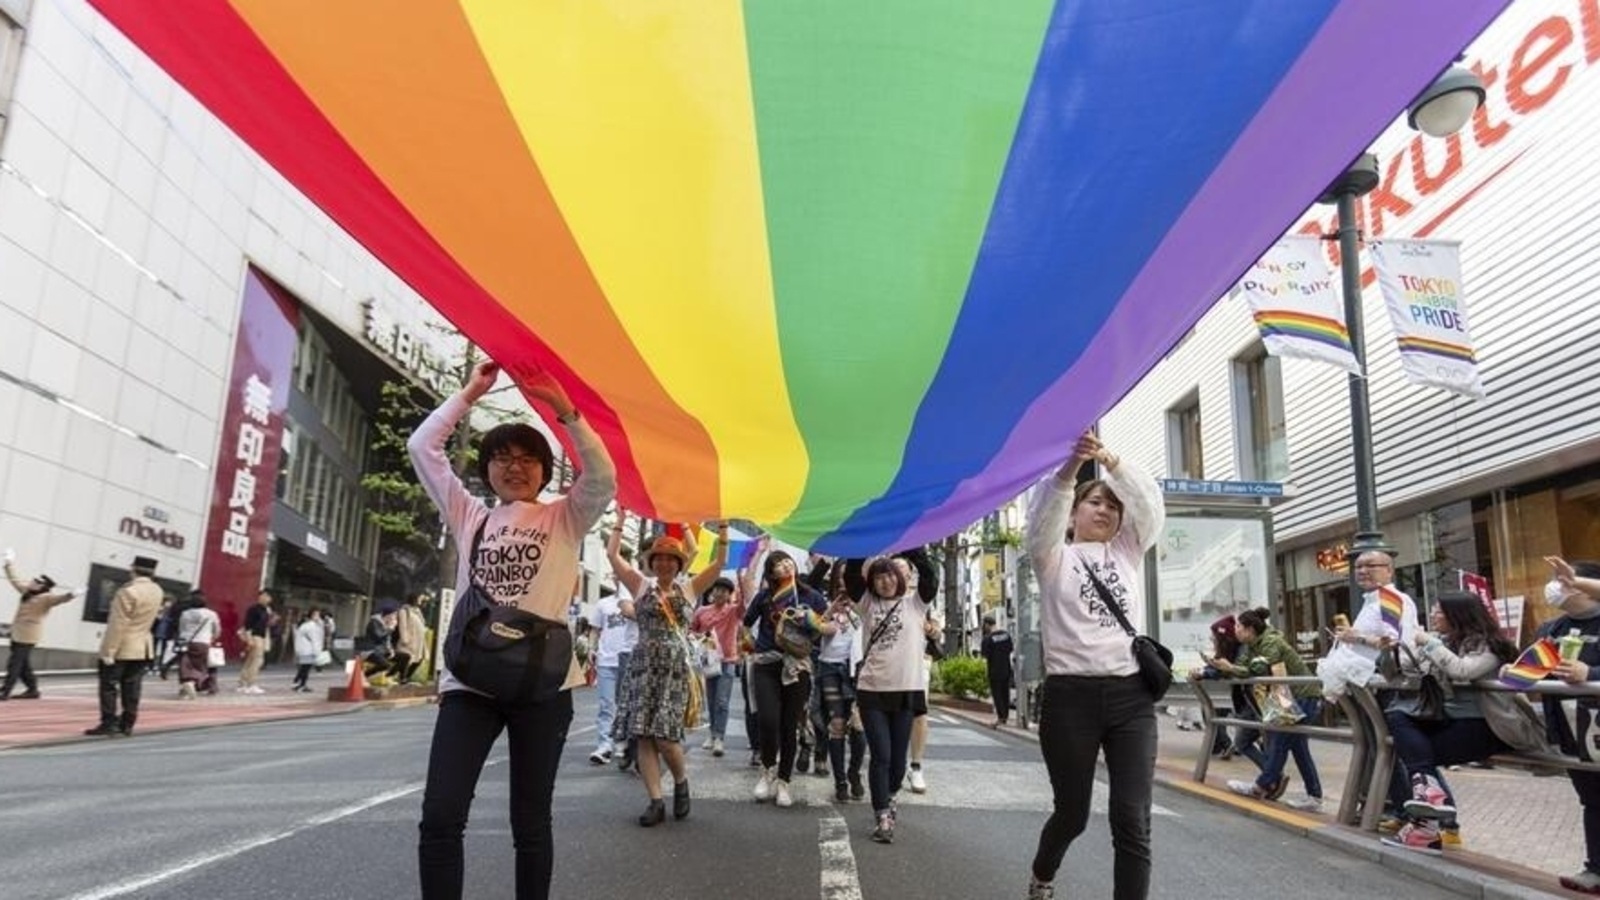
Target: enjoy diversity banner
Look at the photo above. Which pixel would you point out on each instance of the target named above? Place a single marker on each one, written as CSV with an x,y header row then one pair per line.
x,y
1421,282
1295,304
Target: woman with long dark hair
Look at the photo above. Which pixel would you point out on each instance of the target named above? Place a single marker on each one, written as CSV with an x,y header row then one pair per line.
x,y
786,618
1088,543
1462,644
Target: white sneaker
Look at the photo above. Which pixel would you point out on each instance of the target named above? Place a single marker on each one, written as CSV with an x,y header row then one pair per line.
x,y
186,691
764,785
716,747
255,689
1305,804
919,784
784,800
710,742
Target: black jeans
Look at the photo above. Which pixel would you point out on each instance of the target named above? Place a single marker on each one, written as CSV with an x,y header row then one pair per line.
x,y
1587,784
18,668
888,739
1000,694
1080,716
747,691
467,727
125,677
780,709
301,673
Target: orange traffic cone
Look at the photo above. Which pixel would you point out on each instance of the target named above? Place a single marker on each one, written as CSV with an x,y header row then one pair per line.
x,y
356,690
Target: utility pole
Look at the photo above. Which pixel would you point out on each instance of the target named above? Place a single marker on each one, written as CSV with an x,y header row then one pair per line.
x,y
955,620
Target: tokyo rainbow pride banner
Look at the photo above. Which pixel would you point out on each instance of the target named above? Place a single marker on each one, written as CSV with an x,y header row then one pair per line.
x,y
1421,282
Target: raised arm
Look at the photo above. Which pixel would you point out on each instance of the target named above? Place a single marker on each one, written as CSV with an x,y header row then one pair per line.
x,y
855,579
426,447
1051,509
596,485
1561,569
719,558
927,573
627,575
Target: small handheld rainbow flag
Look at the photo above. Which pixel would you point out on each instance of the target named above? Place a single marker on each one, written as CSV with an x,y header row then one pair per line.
x,y
1391,606
1532,666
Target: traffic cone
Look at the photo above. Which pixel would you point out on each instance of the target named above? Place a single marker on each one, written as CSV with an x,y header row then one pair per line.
x,y
356,690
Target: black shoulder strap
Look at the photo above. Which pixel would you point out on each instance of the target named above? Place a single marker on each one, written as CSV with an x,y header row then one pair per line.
x,y
1105,595
477,539
882,624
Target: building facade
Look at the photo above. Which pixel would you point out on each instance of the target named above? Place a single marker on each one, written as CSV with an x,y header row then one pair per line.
x,y
194,352
1471,492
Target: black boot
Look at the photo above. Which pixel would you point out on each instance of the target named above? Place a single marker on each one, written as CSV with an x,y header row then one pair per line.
x,y
104,729
126,725
654,814
680,800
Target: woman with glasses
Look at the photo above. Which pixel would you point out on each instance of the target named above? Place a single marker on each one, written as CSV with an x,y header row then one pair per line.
x,y
522,551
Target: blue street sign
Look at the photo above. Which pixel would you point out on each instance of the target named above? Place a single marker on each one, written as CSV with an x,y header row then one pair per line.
x,y
1222,488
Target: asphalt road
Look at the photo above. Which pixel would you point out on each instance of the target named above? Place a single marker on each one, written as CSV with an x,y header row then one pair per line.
x,y
327,808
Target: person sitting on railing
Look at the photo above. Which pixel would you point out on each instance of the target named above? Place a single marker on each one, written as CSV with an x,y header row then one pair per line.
x,y
1278,658
1227,654
1575,590
1465,644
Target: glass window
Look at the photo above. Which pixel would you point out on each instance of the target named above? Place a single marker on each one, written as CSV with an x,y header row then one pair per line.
x,y
1259,419
1184,457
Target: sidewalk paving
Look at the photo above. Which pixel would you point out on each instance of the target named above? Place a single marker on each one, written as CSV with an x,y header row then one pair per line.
x,y
1519,833
70,703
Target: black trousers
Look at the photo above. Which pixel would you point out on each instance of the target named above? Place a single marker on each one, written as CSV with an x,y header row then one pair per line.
x,y
1079,717
1000,693
18,668
467,727
124,677
780,710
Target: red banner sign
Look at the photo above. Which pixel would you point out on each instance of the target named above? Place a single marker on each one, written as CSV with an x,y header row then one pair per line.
x,y
247,456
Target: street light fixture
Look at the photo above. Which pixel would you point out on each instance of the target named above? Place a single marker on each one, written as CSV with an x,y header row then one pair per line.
x,y
1443,109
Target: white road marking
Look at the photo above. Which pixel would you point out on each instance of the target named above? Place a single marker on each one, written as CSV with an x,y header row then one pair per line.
x,y
125,888
839,879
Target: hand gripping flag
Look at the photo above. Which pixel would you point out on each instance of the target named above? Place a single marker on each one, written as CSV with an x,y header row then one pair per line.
x,y
1532,666
1392,607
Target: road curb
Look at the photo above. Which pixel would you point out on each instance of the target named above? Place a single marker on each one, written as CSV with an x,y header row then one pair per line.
x,y
66,740
1456,875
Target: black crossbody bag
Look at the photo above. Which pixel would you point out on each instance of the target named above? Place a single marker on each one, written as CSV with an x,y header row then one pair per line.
x,y
511,655
1155,661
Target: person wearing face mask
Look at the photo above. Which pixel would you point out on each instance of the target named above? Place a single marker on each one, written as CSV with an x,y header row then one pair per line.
x,y
1575,591
1094,698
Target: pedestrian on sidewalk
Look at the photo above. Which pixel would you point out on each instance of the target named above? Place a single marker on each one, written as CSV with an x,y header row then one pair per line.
x,y
1270,654
27,626
1464,646
126,649
256,636
308,649
161,633
378,661
410,638
661,668
516,462
996,649
1228,654
199,629
1094,698
1574,589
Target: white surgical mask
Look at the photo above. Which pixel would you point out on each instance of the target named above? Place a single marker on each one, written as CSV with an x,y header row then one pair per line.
x,y
1554,592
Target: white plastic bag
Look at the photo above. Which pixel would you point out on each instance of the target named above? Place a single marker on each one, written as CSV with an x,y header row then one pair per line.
x,y
1341,668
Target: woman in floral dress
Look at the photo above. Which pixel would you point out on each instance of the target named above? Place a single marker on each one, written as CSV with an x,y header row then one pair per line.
x,y
657,682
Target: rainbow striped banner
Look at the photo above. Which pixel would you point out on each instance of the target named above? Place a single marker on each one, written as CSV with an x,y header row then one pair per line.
x,y
1421,282
1532,666
858,272
1296,308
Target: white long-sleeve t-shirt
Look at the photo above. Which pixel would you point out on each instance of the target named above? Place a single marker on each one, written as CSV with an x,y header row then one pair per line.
x,y
1369,621
529,554
1080,634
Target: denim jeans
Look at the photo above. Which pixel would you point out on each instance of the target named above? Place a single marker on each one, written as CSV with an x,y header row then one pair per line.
x,y
1280,746
466,728
1420,748
1079,716
888,739
719,688
605,685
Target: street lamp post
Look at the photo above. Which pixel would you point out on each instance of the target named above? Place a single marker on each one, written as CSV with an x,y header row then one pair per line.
x,y
1441,110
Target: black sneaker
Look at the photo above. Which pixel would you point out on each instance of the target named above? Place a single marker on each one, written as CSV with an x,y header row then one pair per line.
x,y
857,789
884,833
102,731
803,763
841,792
819,766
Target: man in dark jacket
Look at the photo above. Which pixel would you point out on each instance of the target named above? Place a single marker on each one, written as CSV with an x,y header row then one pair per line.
x,y
996,648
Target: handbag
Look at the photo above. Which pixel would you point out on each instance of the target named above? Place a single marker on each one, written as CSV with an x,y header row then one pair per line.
x,y
505,652
324,658
1430,690
216,656
1276,705
1155,661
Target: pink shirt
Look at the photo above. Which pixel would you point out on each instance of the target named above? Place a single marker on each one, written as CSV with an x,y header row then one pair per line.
x,y
722,622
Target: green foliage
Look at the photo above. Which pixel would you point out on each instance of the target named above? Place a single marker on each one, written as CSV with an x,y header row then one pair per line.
x,y
961,676
397,505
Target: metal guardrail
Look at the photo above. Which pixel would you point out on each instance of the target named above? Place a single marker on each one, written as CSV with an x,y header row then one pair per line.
x,y
1372,756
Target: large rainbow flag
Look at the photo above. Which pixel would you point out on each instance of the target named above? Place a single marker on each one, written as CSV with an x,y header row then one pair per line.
x,y
858,271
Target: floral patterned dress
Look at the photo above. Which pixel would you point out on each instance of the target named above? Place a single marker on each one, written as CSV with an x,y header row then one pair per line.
x,y
655,692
